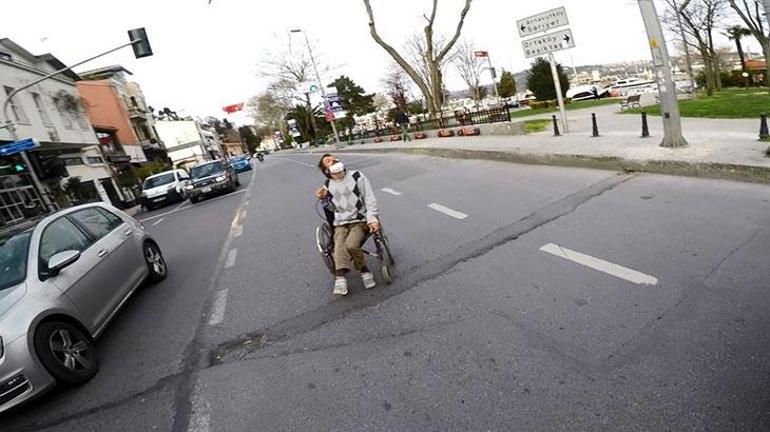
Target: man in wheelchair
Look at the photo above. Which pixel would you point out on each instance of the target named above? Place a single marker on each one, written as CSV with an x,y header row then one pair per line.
x,y
351,208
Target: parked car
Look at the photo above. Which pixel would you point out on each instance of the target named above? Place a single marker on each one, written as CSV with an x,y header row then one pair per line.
x,y
210,178
64,278
164,188
240,163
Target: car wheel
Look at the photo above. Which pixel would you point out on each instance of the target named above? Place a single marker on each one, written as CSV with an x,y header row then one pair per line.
x,y
149,207
237,182
156,264
193,199
66,352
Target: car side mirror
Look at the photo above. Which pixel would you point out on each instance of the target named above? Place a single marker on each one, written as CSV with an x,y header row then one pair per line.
x,y
61,260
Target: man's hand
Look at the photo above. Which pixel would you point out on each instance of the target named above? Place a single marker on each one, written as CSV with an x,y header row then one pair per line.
x,y
374,227
321,192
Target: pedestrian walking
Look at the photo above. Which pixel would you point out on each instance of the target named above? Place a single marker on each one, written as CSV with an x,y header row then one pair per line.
x,y
402,119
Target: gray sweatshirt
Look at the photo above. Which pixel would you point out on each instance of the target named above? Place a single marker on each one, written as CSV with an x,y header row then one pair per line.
x,y
352,199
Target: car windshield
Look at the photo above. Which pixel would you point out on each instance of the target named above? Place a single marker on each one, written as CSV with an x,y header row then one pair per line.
x,y
206,170
153,182
238,159
13,259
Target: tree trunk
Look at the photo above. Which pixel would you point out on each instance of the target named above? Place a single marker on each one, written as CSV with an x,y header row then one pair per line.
x,y
707,71
741,54
312,123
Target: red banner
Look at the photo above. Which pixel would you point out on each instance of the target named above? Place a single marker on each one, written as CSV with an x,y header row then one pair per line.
x,y
233,108
481,54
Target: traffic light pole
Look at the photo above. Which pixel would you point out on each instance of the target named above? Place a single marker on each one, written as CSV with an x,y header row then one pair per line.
x,y
9,124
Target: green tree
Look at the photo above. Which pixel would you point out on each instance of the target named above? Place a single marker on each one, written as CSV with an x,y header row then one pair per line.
x,y
507,85
252,141
540,80
353,99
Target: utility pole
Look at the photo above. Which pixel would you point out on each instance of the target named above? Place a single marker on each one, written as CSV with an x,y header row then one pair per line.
x,y
494,75
688,59
141,45
320,84
672,123
767,18
559,95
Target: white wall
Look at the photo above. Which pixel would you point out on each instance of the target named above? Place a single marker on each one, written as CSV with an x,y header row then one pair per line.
x,y
183,139
90,171
14,74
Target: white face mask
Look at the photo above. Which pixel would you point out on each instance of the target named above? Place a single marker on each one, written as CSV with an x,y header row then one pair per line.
x,y
337,167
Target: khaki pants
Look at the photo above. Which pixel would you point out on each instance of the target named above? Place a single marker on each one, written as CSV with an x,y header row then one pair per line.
x,y
347,246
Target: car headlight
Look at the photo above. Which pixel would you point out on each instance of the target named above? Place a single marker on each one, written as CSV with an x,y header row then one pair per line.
x,y
221,178
189,187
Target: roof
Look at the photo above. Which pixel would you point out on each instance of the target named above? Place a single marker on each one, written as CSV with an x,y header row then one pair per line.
x,y
36,60
104,72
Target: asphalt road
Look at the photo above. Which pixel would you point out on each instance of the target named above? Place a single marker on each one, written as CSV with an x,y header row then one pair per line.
x,y
525,298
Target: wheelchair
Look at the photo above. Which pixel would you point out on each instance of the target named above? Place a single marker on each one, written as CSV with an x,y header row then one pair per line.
x,y
324,236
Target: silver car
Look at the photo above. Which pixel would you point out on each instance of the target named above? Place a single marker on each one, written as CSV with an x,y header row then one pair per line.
x,y
62,279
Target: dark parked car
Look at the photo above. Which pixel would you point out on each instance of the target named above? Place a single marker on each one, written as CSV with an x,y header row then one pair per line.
x,y
211,178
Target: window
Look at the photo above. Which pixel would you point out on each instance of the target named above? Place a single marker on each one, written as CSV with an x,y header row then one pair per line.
x,y
73,161
94,221
82,121
16,108
66,119
41,109
5,56
133,102
59,236
95,160
115,221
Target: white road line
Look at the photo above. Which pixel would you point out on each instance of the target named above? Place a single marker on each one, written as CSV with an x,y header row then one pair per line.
x,y
244,213
182,204
238,231
181,208
448,211
231,257
219,307
200,418
392,191
600,265
158,221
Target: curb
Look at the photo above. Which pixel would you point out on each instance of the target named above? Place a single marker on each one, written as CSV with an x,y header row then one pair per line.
x,y
713,170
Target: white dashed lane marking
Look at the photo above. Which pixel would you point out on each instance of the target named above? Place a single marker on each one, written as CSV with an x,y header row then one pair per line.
x,y
219,307
238,231
448,211
157,222
600,265
231,257
392,191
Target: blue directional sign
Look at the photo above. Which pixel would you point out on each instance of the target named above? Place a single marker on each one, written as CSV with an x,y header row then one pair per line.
x,y
18,146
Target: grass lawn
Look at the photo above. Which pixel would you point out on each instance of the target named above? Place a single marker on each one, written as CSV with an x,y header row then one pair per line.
x,y
531,126
526,112
731,103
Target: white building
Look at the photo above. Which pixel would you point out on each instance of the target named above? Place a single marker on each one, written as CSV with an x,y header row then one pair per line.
x,y
184,141
50,112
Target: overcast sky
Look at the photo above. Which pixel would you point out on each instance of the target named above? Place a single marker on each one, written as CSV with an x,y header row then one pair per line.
x,y
206,56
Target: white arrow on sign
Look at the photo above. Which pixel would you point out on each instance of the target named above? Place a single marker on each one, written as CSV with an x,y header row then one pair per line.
x,y
542,22
551,42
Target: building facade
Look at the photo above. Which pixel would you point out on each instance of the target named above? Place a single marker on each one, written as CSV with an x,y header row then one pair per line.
x,y
50,112
184,141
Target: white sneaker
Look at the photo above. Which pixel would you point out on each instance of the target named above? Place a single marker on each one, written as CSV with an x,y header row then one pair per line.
x,y
368,279
340,286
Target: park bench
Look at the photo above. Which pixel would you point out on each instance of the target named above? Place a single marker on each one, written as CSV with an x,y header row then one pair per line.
x,y
630,102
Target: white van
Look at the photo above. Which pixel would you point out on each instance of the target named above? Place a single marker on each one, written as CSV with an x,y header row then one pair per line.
x,y
164,188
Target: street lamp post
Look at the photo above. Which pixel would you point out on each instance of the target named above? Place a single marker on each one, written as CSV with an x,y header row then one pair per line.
x,y
672,124
138,39
320,83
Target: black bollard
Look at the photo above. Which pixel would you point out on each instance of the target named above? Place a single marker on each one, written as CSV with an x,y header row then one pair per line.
x,y
763,133
645,128
595,132
555,127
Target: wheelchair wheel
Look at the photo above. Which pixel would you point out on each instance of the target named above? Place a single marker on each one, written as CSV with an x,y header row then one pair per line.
x,y
387,256
386,260
323,238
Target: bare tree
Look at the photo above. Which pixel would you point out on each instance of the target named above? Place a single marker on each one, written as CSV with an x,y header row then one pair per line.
x,y
396,84
750,13
700,19
469,68
289,68
431,85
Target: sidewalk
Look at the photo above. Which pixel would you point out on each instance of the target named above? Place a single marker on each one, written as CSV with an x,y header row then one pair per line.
x,y
718,148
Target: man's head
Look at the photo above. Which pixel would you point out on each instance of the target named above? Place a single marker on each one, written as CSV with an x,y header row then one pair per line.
x,y
331,167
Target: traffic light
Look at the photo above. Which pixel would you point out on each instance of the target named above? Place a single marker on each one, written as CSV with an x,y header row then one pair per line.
x,y
139,42
18,167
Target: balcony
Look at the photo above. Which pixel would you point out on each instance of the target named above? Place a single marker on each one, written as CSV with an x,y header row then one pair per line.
x,y
151,143
136,112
